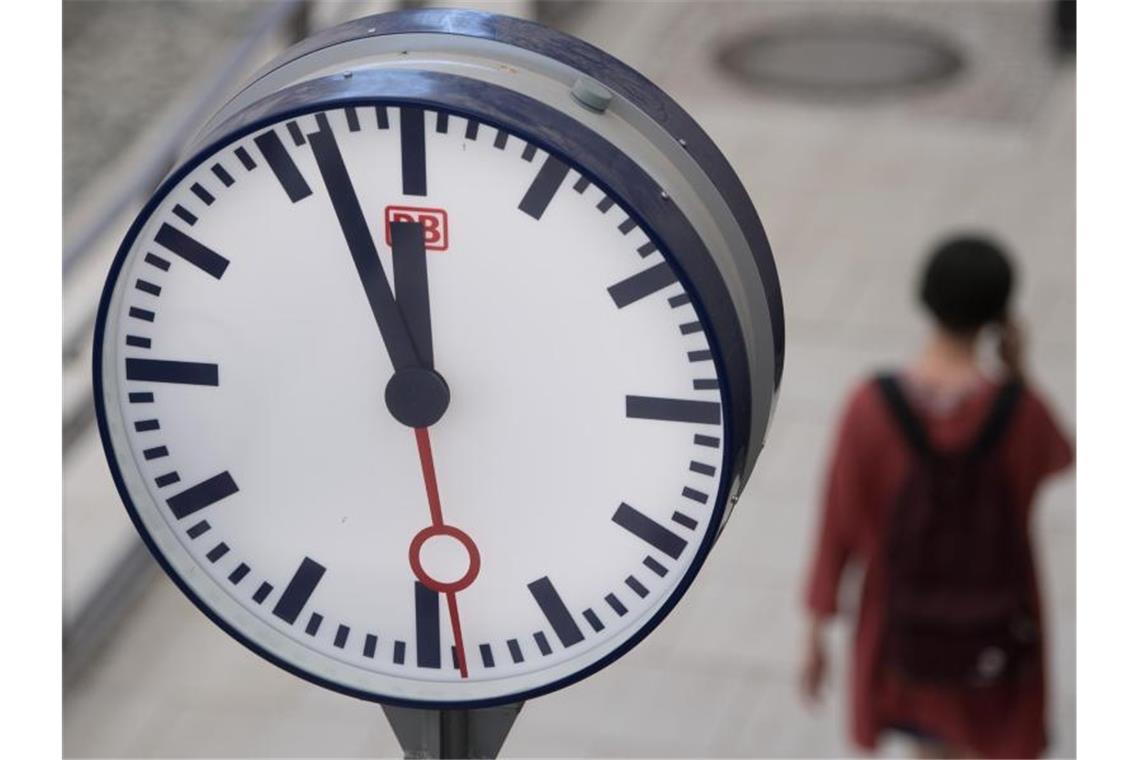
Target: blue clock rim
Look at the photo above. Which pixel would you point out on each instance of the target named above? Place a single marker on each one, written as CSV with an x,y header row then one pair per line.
x,y
730,459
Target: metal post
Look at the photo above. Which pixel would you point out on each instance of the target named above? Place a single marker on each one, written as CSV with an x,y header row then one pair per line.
x,y
442,734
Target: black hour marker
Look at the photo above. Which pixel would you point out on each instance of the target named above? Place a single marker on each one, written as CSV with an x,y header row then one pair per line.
x,y
179,243
157,261
690,327
605,204
647,249
543,188
262,592
706,440
300,588
202,495
655,566
486,655
683,519
323,122
138,342
169,479
218,552
441,123
427,627
239,572
148,287
528,152
198,528
636,586
398,648
593,619
454,657
700,356
625,227
156,453
642,284
144,426
650,531
679,300
146,315
412,152
141,398
581,185
295,133
616,605
501,139
543,644
369,645
672,410
314,623
163,371
202,193
286,171
221,173
246,159
706,384
555,611
181,212
381,117
472,132
341,636
695,495
702,468
515,650
350,117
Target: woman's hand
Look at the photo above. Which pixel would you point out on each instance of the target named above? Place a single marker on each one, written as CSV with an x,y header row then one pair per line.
x,y
1011,348
813,671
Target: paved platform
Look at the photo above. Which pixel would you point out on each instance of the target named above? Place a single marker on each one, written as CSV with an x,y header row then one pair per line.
x,y
851,196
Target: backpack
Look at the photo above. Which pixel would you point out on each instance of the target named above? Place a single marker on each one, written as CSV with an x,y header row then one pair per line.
x,y
960,604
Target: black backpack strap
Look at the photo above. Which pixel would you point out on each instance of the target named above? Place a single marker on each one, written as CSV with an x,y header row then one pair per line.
x,y
907,420
999,417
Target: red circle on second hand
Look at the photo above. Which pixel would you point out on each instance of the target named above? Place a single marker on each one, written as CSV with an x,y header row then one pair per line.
x,y
418,569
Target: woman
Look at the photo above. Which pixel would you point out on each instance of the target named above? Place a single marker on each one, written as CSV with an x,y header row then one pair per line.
x,y
966,288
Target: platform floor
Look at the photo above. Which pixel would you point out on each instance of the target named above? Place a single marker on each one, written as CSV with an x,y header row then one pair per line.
x,y
851,196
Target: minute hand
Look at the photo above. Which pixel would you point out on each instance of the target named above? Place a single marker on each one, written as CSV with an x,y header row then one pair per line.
x,y
393,329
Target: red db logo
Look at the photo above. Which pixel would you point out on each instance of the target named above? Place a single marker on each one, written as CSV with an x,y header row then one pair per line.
x,y
433,220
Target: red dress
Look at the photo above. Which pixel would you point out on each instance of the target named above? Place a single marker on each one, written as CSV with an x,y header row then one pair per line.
x,y
869,463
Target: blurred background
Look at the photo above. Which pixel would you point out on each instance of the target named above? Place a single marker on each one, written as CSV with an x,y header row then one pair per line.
x,y
863,131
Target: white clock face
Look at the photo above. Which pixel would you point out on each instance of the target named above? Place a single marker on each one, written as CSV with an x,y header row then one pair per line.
x,y
516,505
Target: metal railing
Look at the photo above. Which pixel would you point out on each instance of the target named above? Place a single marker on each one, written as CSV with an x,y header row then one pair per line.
x,y
91,232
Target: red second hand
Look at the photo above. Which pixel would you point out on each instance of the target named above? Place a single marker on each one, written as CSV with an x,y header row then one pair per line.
x,y
457,632
427,464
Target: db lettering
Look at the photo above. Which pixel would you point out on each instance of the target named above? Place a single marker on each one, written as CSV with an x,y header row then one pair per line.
x,y
432,220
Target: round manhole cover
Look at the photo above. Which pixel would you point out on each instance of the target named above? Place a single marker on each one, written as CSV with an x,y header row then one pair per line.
x,y
852,57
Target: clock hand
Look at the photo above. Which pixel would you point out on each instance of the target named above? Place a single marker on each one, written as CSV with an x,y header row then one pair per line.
x,y
409,270
416,394
439,528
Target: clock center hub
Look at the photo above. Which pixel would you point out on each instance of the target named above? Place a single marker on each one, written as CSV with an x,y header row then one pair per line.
x,y
444,558
417,397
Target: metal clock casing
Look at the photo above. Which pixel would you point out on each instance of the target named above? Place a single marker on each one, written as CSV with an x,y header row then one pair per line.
x,y
514,79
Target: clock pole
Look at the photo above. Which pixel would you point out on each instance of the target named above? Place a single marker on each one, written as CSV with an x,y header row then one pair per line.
x,y
452,733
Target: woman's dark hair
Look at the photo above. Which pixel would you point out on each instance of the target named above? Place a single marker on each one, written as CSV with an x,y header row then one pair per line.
x,y
967,283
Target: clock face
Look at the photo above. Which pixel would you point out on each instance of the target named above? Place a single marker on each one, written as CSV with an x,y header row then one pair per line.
x,y
411,405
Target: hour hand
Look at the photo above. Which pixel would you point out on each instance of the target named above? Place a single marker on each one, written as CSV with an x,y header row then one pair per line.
x,y
409,270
